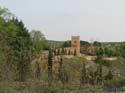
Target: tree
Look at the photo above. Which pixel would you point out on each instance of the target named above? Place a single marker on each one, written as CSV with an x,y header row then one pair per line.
x,y
50,65
122,50
21,44
99,60
67,44
6,14
100,51
83,75
110,51
61,71
107,52
37,71
109,76
83,43
100,73
39,41
7,62
37,35
96,43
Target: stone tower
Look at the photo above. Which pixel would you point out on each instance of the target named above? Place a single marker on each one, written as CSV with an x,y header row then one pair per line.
x,y
75,44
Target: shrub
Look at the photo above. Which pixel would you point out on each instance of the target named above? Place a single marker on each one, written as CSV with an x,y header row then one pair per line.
x,y
115,83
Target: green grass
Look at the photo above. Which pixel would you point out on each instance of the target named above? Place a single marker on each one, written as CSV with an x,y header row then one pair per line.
x,y
118,67
79,59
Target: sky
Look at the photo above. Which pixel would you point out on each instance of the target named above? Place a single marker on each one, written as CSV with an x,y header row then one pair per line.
x,y
97,20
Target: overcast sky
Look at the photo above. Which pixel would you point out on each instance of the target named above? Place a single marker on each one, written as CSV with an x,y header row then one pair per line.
x,y
101,20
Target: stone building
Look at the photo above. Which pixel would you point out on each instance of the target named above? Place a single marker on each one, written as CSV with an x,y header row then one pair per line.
x,y
74,48
75,44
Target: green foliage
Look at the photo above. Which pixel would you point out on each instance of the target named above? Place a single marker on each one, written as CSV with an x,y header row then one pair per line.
x,y
107,63
96,43
2,60
66,75
83,75
53,90
39,41
37,46
115,83
37,35
118,66
100,51
82,43
37,70
109,76
17,44
79,59
21,45
122,50
50,59
100,60
5,14
115,50
50,64
67,44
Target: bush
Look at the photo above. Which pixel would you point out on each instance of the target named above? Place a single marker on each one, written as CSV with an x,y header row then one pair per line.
x,y
109,76
100,60
66,75
115,83
106,63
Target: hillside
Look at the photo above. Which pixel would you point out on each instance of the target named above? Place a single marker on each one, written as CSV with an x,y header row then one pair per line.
x,y
55,43
60,43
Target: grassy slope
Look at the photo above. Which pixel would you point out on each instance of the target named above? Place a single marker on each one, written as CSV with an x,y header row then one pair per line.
x,y
72,66
118,66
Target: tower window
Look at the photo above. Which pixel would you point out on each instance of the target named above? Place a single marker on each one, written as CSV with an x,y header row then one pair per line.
x,y
74,42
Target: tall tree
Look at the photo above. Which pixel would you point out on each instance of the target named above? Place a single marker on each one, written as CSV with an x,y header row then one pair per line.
x,y
39,41
100,73
83,75
61,71
37,70
6,14
109,76
37,35
18,41
21,45
50,65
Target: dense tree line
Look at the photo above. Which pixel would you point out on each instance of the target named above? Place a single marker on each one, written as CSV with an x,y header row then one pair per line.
x,y
18,45
17,39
